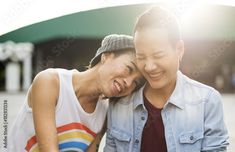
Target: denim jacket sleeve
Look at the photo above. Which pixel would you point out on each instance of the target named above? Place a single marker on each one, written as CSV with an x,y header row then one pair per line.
x,y
215,131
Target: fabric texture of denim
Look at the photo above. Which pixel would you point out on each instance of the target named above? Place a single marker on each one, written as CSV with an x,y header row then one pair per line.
x,y
193,120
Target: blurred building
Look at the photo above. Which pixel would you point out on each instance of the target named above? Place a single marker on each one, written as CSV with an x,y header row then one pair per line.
x,y
71,41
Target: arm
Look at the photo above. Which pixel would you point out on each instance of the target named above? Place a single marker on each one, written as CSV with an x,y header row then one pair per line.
x,y
42,99
215,131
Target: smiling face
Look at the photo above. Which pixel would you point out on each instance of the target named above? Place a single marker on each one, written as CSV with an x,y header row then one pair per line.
x,y
118,74
157,58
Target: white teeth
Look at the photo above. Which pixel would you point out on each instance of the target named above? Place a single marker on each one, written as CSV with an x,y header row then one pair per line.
x,y
118,86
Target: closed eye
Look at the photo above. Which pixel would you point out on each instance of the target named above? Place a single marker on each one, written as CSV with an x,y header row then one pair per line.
x,y
130,69
158,56
139,58
136,83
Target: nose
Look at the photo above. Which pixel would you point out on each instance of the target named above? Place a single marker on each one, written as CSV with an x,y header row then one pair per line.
x,y
128,81
150,66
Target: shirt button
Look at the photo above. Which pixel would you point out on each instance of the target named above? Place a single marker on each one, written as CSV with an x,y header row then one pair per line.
x,y
142,118
191,137
137,141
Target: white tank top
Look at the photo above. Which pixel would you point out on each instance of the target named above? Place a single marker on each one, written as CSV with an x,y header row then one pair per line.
x,y
76,128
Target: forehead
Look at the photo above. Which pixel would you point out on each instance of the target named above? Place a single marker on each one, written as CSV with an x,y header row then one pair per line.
x,y
151,36
127,59
125,56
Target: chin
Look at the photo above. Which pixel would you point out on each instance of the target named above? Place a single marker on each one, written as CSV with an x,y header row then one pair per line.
x,y
109,95
156,85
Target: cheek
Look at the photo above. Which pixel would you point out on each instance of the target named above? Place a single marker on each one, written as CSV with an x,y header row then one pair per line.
x,y
106,74
170,61
121,71
130,89
172,66
140,65
175,61
113,69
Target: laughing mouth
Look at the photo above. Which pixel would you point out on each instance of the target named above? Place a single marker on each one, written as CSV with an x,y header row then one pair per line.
x,y
157,75
118,86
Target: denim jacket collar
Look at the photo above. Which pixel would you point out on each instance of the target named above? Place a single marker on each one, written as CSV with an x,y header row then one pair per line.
x,y
138,97
174,98
177,96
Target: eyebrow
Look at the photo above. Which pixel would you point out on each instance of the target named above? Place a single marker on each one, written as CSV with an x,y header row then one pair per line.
x,y
154,53
158,53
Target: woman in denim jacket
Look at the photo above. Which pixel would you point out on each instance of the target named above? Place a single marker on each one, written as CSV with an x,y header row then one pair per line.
x,y
171,112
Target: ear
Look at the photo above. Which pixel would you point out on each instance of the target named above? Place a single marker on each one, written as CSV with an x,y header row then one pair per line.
x,y
105,56
102,58
180,49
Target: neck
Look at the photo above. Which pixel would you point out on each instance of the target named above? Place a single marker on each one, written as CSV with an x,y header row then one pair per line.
x,y
158,97
86,86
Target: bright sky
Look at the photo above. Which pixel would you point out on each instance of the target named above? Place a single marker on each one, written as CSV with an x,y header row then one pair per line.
x,y
15,14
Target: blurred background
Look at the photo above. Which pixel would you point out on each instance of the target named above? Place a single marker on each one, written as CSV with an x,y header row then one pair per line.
x,y
72,40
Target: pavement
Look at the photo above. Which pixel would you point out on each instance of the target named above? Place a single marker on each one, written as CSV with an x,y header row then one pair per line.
x,y
10,104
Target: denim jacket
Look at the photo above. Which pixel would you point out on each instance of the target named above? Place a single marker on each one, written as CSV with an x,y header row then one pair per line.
x,y
192,117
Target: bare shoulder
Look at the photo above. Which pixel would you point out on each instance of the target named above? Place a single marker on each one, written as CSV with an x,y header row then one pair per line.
x,y
46,76
45,86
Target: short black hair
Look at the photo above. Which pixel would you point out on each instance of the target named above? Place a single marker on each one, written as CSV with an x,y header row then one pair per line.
x,y
158,17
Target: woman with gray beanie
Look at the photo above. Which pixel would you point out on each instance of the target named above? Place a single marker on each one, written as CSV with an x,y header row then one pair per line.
x,y
65,109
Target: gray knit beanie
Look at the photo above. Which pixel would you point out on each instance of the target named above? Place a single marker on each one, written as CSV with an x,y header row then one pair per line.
x,y
112,43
